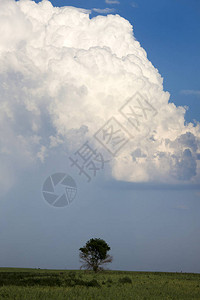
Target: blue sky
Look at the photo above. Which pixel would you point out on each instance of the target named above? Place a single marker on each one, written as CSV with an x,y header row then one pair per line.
x,y
149,226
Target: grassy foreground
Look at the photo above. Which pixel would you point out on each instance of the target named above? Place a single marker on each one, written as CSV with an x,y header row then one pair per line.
x,y
34,284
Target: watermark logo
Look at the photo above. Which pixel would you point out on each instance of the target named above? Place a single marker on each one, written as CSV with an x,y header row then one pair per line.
x,y
113,136
88,161
59,189
137,110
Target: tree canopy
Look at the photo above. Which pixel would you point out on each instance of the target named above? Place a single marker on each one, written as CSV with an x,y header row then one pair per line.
x,y
95,254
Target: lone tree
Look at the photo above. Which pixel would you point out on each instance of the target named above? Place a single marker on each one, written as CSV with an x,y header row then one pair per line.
x,y
94,254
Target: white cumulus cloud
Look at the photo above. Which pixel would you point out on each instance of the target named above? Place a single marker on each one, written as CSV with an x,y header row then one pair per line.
x,y
112,2
63,75
104,10
133,4
191,92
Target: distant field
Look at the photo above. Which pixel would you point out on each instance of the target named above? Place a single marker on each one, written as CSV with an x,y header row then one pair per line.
x,y
35,284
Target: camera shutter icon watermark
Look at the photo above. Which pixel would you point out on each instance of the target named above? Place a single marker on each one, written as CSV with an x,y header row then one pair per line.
x,y
59,189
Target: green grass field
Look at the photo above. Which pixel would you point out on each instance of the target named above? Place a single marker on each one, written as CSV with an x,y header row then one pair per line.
x,y
34,284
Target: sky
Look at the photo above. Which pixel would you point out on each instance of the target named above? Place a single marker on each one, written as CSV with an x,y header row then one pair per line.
x,y
68,78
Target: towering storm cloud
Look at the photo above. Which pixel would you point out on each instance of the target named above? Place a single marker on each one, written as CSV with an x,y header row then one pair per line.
x,y
64,75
